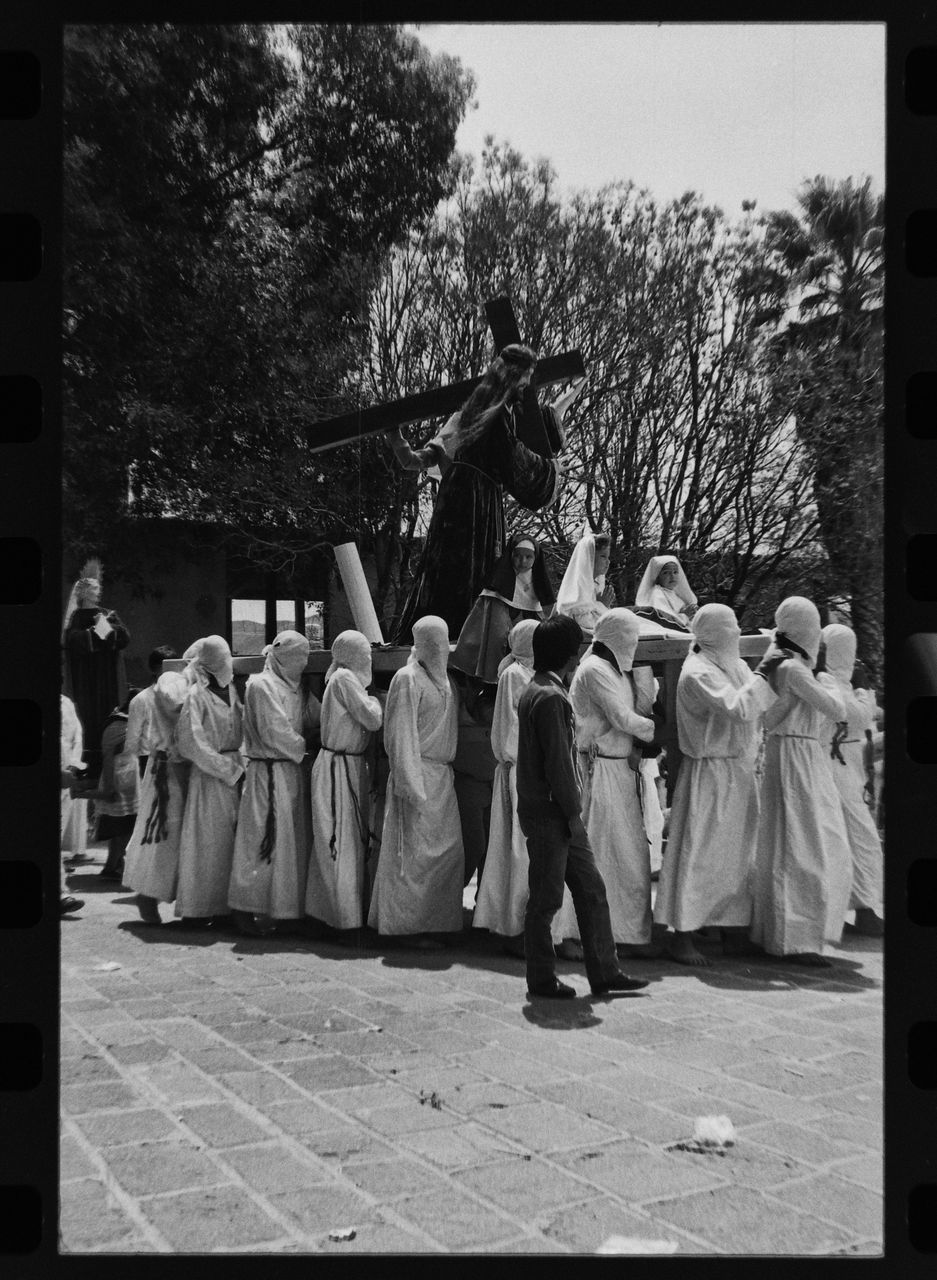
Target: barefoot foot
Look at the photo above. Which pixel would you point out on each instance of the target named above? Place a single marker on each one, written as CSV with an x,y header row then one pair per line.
x,y
684,952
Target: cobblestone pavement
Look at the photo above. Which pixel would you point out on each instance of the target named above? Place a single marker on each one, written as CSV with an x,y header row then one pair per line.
x,y
226,1094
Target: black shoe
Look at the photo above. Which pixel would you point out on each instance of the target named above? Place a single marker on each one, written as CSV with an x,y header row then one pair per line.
x,y
554,991
620,982
68,905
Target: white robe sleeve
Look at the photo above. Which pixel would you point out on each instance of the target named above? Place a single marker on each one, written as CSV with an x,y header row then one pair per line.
x,y
136,725
361,706
704,692
511,685
192,743
606,691
819,692
402,737
271,723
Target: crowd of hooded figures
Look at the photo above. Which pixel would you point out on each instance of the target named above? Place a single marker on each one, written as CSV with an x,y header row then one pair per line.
x,y
771,839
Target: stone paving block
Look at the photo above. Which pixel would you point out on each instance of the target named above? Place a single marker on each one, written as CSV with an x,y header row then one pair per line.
x,y
524,1188
345,1145
117,1127
513,1068
177,1082
645,1031
304,1116
544,1126
710,1103
865,1169
619,1112
461,1147
863,1100
739,1220
321,1022
796,1079
859,1130
409,1117
367,1097
747,1164
853,1067
583,1227
376,1237
855,1209
214,1220
797,1047
260,1087
221,1125
149,1009
89,1068
327,1072
317,1209
144,1051
490,1095
448,1080
365,1043
73,1162
637,1084
270,1167
627,1169
186,1035
388,1180
708,1053
285,1048
220,1059
90,1218
529,1244
148,1168
456,1220
798,1141
77,1099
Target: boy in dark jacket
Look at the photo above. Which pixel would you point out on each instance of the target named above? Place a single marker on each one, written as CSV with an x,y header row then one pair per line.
x,y
549,800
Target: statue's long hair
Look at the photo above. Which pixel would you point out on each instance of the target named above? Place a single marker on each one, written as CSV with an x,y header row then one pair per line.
x,y
495,388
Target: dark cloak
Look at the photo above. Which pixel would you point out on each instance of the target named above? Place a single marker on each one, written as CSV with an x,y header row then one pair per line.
x,y
466,533
94,673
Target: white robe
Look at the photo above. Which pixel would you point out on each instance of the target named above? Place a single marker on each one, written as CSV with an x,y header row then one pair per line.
x,y
607,723
714,817
273,718
850,779
802,872
153,868
662,598
208,735
501,901
335,889
418,886
71,744
139,714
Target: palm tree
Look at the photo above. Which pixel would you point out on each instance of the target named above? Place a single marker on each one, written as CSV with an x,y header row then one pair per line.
x,y
829,362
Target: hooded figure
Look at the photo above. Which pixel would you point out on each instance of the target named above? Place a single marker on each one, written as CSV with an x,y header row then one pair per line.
x,y
208,735
518,587
501,901
803,865
271,846
418,886
584,580
704,879
335,889
610,713
845,747
152,859
664,587
94,639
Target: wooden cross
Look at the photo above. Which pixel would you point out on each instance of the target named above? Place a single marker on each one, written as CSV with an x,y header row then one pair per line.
x,y
442,401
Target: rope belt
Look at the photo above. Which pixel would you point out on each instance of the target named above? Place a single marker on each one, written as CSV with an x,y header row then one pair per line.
x,y
810,737
156,827
638,781
270,827
363,831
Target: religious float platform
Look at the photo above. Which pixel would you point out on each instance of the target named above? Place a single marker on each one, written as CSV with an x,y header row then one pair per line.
x,y
664,653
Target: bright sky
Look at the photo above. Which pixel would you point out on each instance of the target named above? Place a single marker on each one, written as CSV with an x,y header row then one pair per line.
x,y
735,112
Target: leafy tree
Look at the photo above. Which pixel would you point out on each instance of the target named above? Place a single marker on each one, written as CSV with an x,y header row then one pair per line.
x,y
680,441
230,192
830,365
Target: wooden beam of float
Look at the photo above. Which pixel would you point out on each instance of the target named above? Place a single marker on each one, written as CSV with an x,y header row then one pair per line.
x,y
438,403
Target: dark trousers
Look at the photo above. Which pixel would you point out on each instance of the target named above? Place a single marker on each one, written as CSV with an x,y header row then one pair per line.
x,y
474,799
556,859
